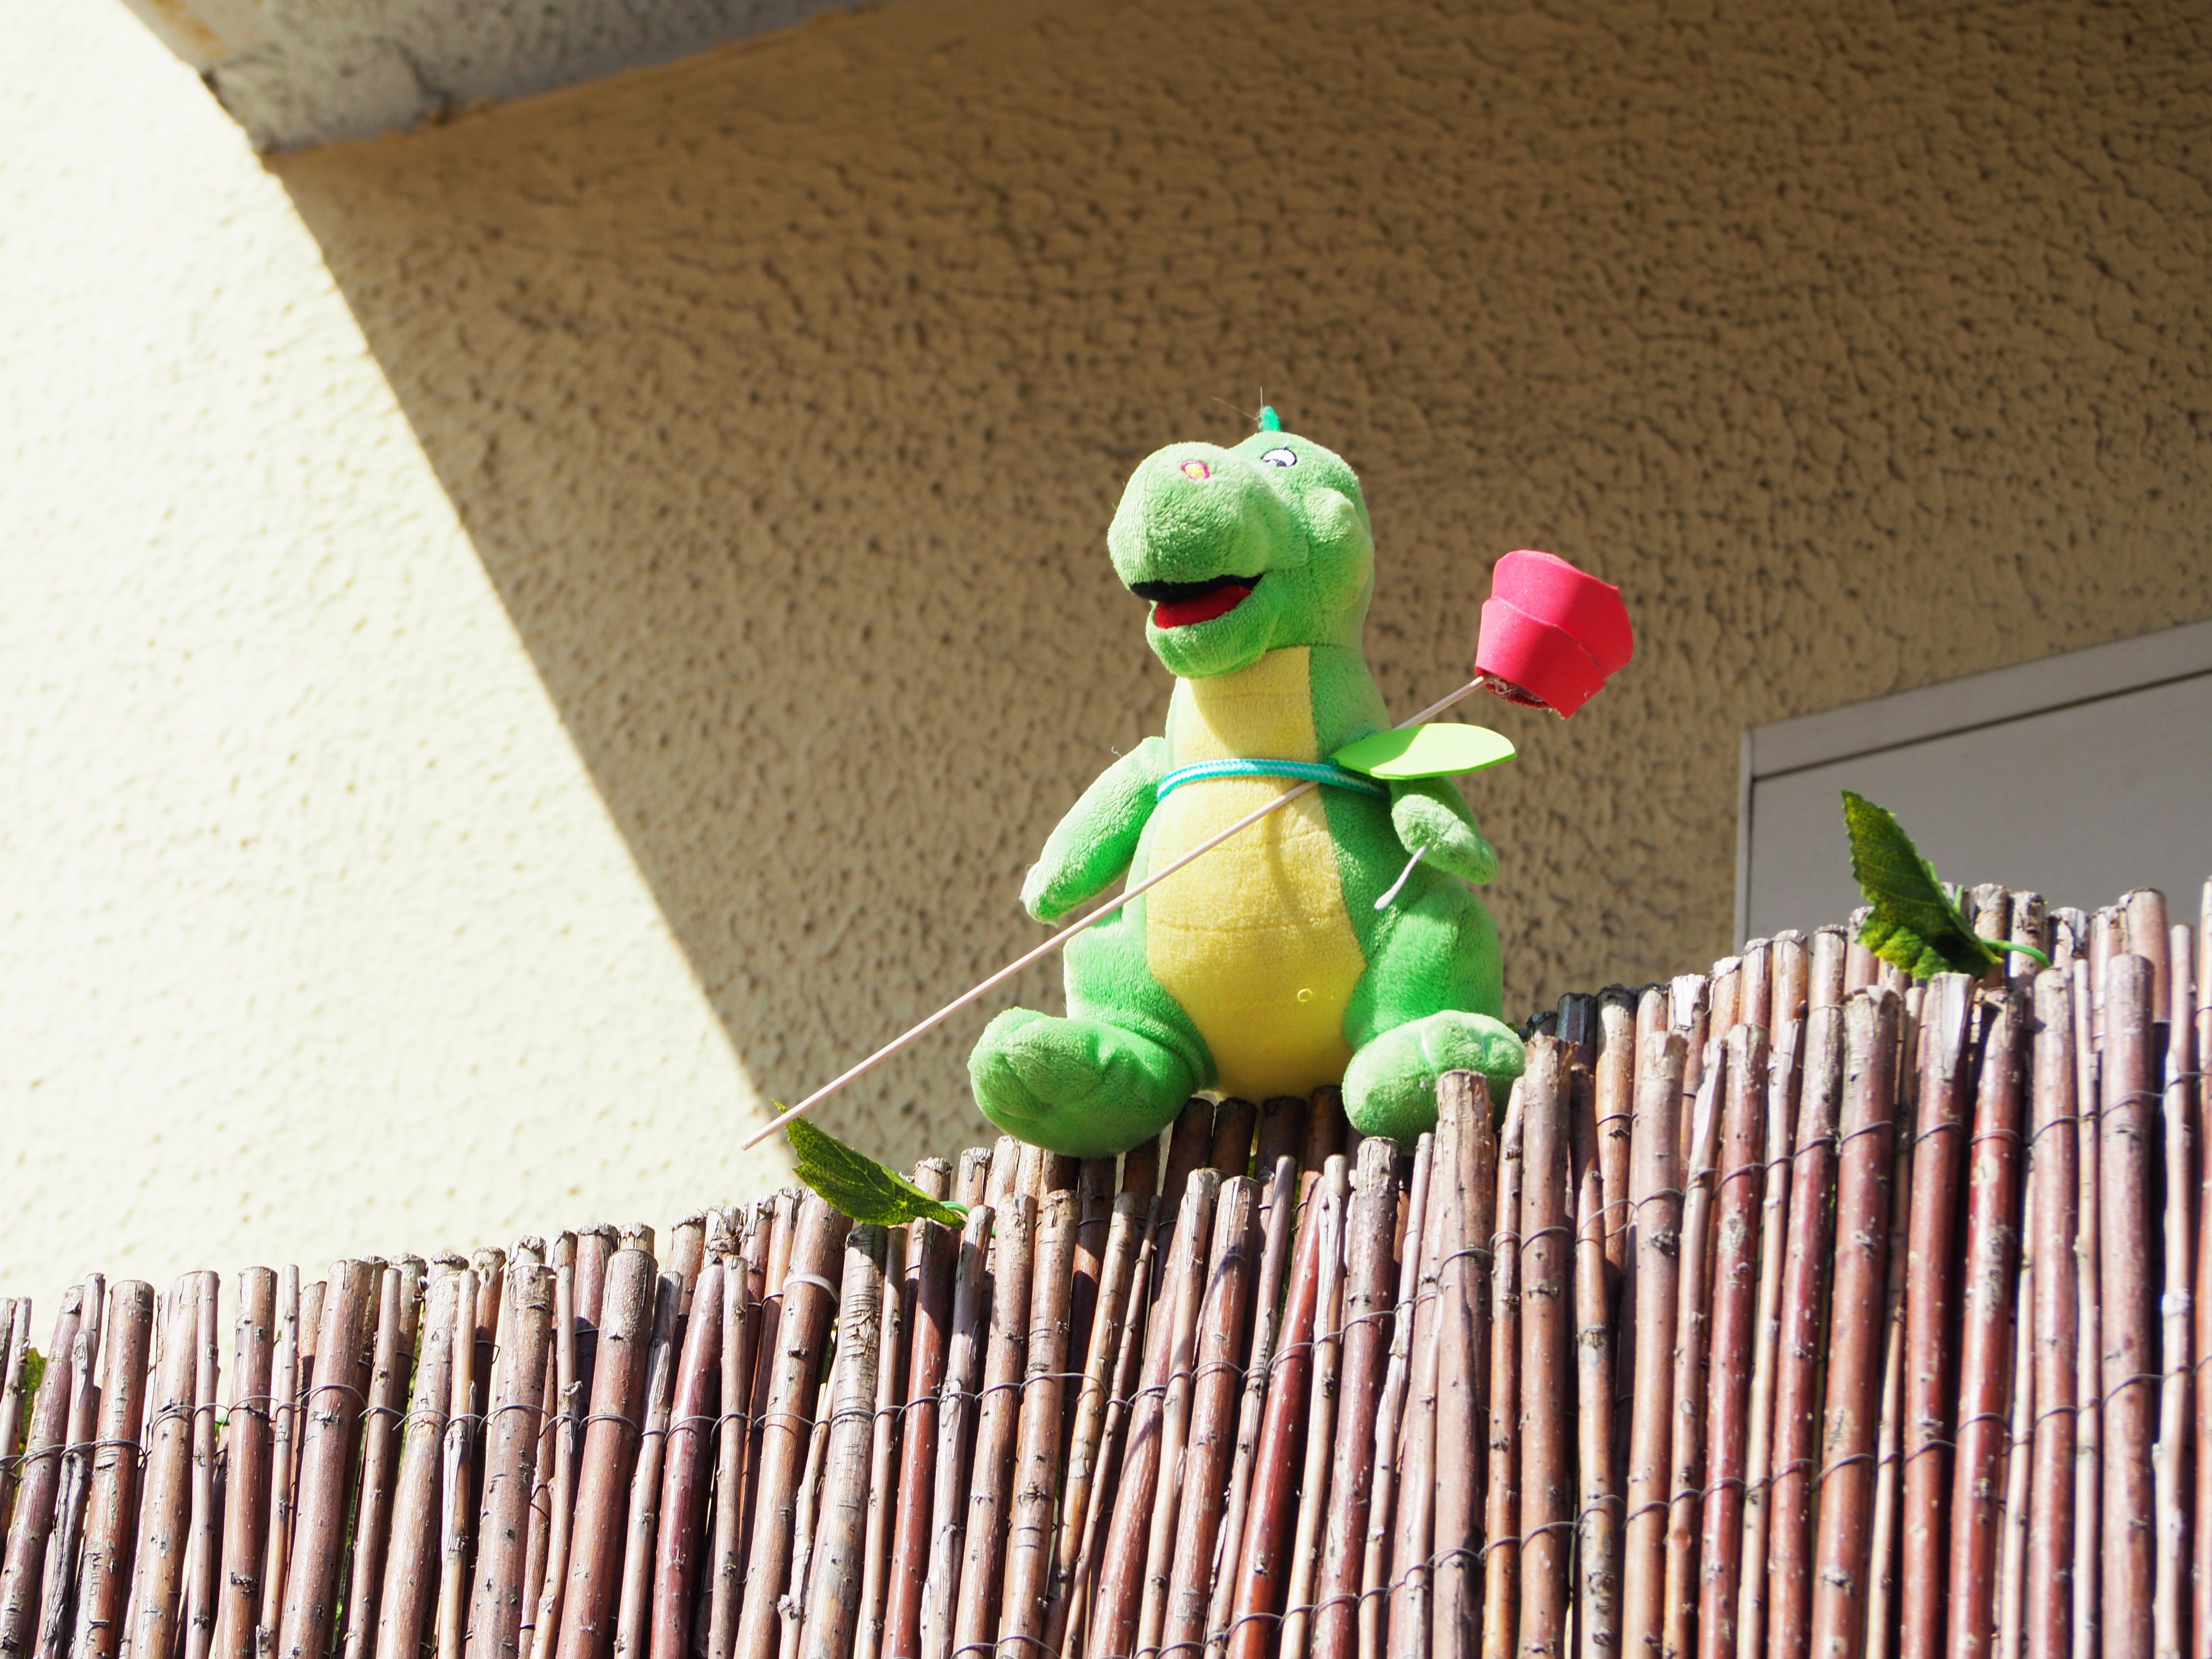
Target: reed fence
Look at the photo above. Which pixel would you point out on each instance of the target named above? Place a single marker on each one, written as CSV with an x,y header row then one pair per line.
x,y
1788,1309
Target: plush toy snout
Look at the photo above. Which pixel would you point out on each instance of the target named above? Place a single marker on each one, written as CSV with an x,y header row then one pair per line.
x,y
1196,514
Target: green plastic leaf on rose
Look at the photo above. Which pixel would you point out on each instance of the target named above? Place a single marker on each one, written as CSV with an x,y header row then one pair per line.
x,y
1425,751
1915,924
854,1183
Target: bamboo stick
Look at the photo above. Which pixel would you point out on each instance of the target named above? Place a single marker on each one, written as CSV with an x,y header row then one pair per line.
x,y
2201,1534
833,1587
2172,981
1783,1077
1860,968
1689,1010
1234,1122
58,1616
899,1297
627,1307
566,1394
2051,1530
1692,1331
2089,1383
1464,1282
1070,1617
1366,1344
1735,1333
1547,1326
1885,1556
157,1585
1791,1488
1030,1538
1376,1566
1412,1569
288,1377
2127,1174
1094,1209
1615,1077
16,1317
31,1525
1501,1553
1824,982
963,1370
687,1478
1115,1619
456,1480
1865,1168
781,1227
510,1463
933,1250
1412,1559
1330,1197
1260,1571
1597,1544
998,1419
791,1605
634,1607
409,1592
787,1431
1655,1224
111,1514
1278,1213
203,1556
1939,1161
398,1309
1189,1148
2204,1277
331,1414
2011,1572
553,1429
1228,1211
1985,1337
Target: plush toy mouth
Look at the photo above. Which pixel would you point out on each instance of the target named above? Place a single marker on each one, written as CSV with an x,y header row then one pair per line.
x,y
1182,604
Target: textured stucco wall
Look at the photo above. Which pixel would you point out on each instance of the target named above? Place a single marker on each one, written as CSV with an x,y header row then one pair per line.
x,y
317,936
786,392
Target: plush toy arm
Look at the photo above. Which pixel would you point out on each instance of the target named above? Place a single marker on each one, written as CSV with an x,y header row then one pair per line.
x,y
1430,817
1094,843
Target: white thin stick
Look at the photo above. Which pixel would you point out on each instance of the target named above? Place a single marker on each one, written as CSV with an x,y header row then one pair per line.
x,y
1404,876
1061,938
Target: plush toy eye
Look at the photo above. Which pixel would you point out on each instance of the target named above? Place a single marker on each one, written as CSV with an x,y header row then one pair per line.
x,y
1280,458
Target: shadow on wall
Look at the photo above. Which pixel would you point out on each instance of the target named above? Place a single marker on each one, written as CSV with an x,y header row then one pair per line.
x,y
786,392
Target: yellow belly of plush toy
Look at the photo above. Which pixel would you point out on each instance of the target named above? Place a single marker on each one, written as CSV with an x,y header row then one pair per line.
x,y
1253,939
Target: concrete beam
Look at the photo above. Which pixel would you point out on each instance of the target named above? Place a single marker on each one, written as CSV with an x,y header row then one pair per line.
x,y
297,73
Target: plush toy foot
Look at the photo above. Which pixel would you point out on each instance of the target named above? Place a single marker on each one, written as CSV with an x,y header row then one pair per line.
x,y
1390,1087
1077,1087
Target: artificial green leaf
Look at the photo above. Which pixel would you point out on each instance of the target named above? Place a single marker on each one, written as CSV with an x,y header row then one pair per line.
x,y
857,1185
1425,751
1915,923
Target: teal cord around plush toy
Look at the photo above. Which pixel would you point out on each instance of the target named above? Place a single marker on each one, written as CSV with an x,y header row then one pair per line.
x,y
1269,941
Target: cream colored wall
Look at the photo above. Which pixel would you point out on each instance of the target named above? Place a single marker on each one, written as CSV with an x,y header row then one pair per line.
x,y
317,938
785,393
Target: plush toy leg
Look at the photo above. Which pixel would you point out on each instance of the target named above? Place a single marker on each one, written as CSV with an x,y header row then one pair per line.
x,y
1428,1004
1390,1087
1114,1072
1076,1087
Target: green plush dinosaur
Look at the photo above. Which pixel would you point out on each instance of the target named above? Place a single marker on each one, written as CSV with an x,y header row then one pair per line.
x,y
1265,968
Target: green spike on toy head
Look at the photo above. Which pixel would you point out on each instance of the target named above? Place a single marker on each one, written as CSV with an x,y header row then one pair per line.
x,y
1269,421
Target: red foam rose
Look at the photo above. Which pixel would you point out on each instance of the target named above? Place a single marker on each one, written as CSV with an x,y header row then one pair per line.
x,y
1552,635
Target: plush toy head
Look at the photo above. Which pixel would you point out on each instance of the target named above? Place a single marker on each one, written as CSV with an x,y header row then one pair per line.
x,y
1242,551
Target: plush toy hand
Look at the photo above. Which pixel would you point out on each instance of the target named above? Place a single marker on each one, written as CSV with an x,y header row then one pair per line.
x,y
1096,841
1431,818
